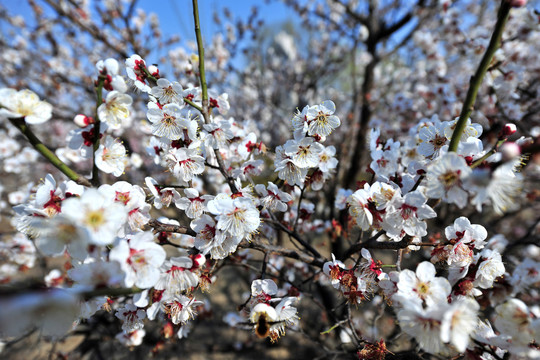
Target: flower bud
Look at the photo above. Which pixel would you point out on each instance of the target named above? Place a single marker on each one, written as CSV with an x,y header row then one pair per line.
x,y
83,120
509,129
510,150
153,69
198,260
168,330
517,3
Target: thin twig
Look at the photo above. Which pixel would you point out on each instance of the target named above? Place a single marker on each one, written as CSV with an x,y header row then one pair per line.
x,y
298,208
297,237
97,130
488,154
284,252
204,89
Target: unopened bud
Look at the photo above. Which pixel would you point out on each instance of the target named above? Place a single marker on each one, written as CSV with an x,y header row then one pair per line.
x,y
509,129
153,69
198,260
517,3
83,120
168,330
510,150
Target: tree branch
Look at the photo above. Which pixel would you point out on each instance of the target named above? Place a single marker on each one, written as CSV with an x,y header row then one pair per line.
x,y
204,89
476,80
158,226
290,253
20,124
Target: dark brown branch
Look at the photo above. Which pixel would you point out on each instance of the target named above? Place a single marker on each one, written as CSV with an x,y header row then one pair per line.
x,y
372,243
297,237
290,253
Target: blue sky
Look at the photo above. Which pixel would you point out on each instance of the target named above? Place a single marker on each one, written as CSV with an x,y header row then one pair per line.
x,y
177,15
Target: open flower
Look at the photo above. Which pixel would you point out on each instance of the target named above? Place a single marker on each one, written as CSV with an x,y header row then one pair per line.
x,y
407,216
363,208
459,322
167,92
444,179
424,324
218,134
422,286
100,217
193,204
140,259
286,316
321,119
59,234
115,109
176,275
97,274
185,163
333,269
471,129
24,103
263,289
208,239
163,196
111,156
304,153
133,198
273,198
131,317
239,217
287,169
489,269
180,308
167,121
432,138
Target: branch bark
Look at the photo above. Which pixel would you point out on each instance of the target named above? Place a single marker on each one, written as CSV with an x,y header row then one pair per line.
x,y
20,124
476,80
205,113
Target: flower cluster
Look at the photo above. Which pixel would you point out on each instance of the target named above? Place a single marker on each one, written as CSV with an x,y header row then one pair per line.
x,y
442,312
137,244
296,157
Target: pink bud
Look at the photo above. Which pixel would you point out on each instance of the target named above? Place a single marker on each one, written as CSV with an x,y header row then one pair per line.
x,y
83,120
517,3
509,129
198,260
510,150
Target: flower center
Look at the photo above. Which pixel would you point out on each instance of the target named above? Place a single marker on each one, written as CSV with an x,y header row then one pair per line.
x,y
423,289
449,179
95,219
322,118
168,120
